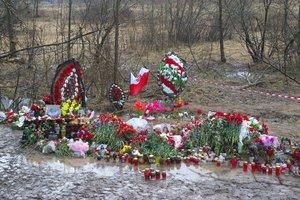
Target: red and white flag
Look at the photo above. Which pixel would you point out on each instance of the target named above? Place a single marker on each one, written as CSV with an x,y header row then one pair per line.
x,y
137,84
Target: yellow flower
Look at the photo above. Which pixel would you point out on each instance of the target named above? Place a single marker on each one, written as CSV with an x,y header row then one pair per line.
x,y
72,108
68,101
77,107
125,149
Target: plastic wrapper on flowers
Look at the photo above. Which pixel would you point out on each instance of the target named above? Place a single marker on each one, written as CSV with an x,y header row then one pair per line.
x,y
267,141
79,147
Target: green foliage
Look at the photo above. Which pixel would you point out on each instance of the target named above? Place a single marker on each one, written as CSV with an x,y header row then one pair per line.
x,y
64,150
220,135
106,134
155,146
33,136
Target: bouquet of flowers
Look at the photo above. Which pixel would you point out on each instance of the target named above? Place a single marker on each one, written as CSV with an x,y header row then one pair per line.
x,y
69,108
139,108
154,108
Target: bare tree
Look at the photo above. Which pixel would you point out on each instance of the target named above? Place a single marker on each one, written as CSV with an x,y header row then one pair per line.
x,y
221,32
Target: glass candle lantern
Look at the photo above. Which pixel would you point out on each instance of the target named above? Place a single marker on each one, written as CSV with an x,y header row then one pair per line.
x,y
264,169
129,159
147,174
253,167
218,163
233,163
135,162
270,170
245,166
259,167
278,170
153,174
168,161
157,174
164,175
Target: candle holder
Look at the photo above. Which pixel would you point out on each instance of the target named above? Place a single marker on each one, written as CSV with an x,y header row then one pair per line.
x,y
168,161
233,163
157,174
135,162
153,175
130,159
259,167
253,167
245,166
270,170
264,169
278,170
147,174
218,163
107,158
164,175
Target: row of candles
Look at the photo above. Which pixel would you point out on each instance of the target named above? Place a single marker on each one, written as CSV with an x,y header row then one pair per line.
x,y
150,173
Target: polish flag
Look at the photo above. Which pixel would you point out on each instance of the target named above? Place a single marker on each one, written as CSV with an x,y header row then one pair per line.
x,y
137,84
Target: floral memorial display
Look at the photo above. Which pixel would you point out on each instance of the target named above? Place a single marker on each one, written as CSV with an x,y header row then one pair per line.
x,y
68,83
172,76
116,96
148,137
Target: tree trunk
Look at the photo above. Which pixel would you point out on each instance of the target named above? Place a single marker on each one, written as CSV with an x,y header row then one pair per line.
x,y
116,63
69,29
298,44
10,28
221,33
36,7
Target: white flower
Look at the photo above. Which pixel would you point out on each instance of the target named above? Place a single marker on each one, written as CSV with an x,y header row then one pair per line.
x,y
180,114
186,113
74,70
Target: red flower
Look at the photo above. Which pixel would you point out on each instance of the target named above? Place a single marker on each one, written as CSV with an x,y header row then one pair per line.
x,y
186,103
251,129
172,108
199,111
256,140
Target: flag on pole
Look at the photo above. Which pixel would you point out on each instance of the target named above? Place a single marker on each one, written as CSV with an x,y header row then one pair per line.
x,y
137,84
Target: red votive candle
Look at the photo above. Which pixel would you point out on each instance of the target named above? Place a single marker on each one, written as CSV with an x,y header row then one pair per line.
x,y
164,175
245,166
218,163
196,161
264,169
135,162
252,167
108,158
259,167
233,163
168,161
157,174
270,170
278,170
147,174
129,159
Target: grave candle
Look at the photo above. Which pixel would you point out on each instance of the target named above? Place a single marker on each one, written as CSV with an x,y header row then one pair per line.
x,y
233,163
135,162
157,174
164,175
270,170
278,170
245,166
253,167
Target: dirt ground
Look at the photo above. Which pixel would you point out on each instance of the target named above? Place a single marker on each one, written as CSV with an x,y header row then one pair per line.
x,y
27,176
30,175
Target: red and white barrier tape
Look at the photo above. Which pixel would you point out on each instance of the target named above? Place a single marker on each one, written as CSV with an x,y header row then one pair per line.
x,y
249,90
